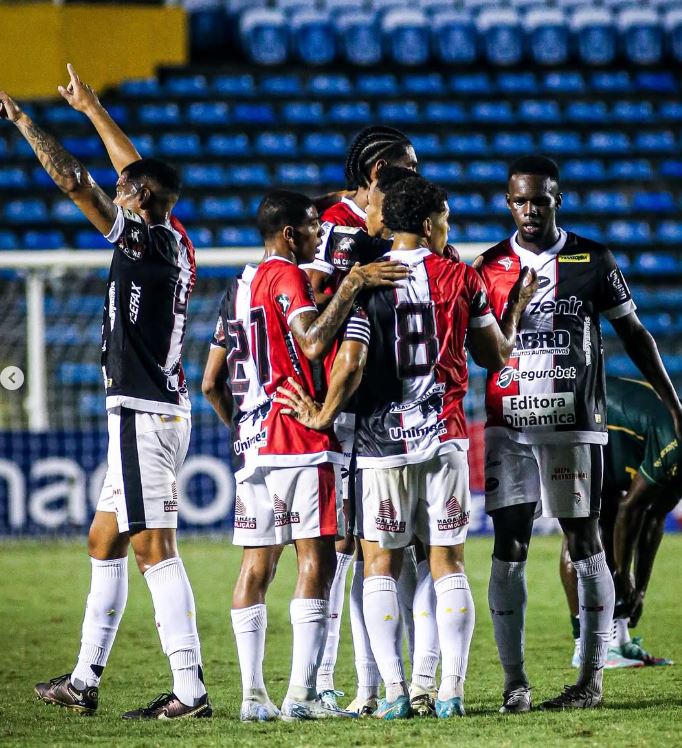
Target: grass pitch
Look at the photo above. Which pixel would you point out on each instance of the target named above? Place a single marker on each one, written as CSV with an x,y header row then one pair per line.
x,y
43,586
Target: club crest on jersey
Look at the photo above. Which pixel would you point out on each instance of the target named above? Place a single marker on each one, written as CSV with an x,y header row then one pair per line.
x,y
341,257
241,518
430,401
455,516
259,413
387,518
257,440
282,514
506,262
284,303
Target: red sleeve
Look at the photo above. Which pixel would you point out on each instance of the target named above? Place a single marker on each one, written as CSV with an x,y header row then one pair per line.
x,y
480,313
293,293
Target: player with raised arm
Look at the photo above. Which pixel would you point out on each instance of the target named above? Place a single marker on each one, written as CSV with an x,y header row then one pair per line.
x,y
145,316
411,437
268,330
642,484
547,421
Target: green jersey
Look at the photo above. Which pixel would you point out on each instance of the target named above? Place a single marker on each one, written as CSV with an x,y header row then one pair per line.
x,y
641,437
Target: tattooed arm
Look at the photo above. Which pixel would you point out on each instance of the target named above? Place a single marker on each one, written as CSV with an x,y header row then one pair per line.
x,y
66,171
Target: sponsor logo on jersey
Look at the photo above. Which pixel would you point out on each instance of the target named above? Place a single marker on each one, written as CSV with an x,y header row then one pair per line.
x,y
291,350
170,505
570,306
532,343
455,516
134,305
219,333
543,281
282,514
566,473
506,262
342,254
112,305
257,440
581,257
241,518
387,518
587,340
509,375
284,303
398,433
530,411
620,290
259,413
431,400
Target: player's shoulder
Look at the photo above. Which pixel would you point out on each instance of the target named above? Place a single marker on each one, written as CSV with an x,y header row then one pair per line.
x,y
581,249
493,254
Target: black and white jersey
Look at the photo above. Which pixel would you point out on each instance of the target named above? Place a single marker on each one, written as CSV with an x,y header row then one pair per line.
x,y
145,316
552,389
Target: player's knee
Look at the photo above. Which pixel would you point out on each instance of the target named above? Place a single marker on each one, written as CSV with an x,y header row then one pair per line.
x,y
511,549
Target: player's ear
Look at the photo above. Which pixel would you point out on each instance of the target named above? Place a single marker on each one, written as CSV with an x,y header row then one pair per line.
x,y
427,227
507,200
288,234
144,197
559,200
376,169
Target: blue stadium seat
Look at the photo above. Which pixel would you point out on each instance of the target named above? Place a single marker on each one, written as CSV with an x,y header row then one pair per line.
x,y
512,143
145,144
609,142
239,236
89,239
186,85
8,239
141,88
381,7
672,22
632,111
453,37
670,110
208,113
484,232
106,177
352,112
207,29
51,239
185,210
78,373
65,211
594,35
608,202
561,81
343,5
159,114
621,366
312,37
276,144
611,81
583,170
561,141
432,7
654,202
324,144
642,35
4,147
260,114
358,38
333,85
30,210
264,36
487,171
21,149
498,204
443,172
659,323
517,83
332,174
232,144
303,112
660,81
472,83
466,204
212,208
586,229
540,110
547,36
445,112
629,232
201,236
656,263
399,111
423,83
662,141
281,85
587,111
249,175
205,175
671,168
183,144
405,34
493,111
428,144
13,178
242,86
669,232
298,174
631,170
500,33
63,115
572,202
467,144
292,6
377,85
85,147
41,178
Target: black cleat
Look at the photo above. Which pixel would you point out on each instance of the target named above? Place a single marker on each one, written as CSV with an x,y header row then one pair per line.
x,y
169,706
62,692
574,697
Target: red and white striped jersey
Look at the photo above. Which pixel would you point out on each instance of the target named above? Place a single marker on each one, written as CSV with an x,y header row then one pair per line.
x,y
345,213
410,400
552,389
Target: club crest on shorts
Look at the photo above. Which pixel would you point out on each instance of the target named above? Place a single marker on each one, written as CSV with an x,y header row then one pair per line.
x,y
282,514
386,519
241,519
455,516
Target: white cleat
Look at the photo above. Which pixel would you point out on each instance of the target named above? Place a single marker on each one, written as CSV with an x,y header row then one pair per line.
x,y
258,711
363,707
294,711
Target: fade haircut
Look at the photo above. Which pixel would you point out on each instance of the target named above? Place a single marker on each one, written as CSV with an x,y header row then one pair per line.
x,y
369,146
165,175
408,203
390,175
281,208
539,165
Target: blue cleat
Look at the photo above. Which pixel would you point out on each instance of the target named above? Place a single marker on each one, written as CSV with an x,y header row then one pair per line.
x,y
450,708
398,709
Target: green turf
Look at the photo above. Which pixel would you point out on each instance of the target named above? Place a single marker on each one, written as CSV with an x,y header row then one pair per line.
x,y
43,587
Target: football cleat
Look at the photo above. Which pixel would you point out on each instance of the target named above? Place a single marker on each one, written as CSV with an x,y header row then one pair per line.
x,y
450,708
329,698
61,692
574,697
363,707
633,650
616,660
398,709
258,711
516,701
423,705
169,706
293,711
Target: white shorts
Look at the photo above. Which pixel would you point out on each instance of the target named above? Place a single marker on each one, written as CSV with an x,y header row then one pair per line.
x,y
345,433
565,479
279,505
145,452
428,499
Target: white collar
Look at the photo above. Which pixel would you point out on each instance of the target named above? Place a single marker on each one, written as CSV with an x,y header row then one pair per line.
x,y
537,260
409,256
354,207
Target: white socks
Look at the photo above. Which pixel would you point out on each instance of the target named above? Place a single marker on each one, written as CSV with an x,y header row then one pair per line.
x,y
596,598
177,626
456,617
103,612
427,647
407,584
619,632
368,676
507,596
382,618
325,674
249,626
309,622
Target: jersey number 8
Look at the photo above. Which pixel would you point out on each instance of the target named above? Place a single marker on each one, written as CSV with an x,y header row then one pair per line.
x,y
416,341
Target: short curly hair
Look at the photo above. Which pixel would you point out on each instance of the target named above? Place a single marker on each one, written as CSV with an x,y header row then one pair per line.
x,y
408,203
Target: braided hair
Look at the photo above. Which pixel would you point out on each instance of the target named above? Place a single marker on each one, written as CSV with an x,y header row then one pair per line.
x,y
369,146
